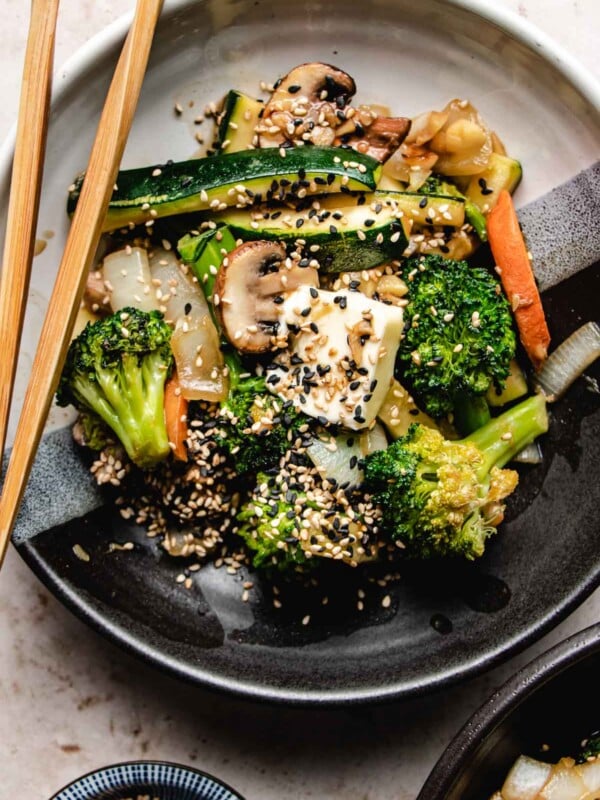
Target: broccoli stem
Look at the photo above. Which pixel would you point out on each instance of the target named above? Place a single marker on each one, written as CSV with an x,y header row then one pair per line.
x,y
471,413
235,368
524,422
135,407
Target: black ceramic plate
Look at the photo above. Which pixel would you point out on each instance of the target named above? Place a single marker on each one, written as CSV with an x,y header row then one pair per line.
x,y
544,712
443,623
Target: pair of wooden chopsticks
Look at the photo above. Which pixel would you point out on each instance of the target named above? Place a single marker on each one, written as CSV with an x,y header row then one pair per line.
x,y
82,241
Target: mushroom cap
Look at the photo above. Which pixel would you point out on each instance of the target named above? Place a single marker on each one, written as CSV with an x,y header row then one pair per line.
x,y
312,79
319,90
249,280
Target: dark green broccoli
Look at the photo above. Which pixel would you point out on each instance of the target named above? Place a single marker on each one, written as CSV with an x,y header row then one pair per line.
x,y
257,427
117,368
442,497
590,748
458,337
435,184
295,519
271,529
92,431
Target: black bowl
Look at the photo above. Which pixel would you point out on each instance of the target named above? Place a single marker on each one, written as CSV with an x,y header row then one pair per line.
x,y
552,702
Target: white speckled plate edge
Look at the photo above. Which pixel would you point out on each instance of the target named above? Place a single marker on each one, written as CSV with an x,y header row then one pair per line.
x,y
159,779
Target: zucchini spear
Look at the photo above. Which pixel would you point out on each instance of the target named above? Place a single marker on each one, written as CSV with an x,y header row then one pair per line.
x,y
239,179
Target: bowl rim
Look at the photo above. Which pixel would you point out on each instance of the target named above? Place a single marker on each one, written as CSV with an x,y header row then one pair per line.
x,y
147,762
526,682
522,31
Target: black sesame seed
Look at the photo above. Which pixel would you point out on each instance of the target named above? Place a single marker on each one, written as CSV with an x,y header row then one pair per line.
x,y
343,302
333,230
353,462
275,214
278,300
305,312
354,385
361,200
187,308
294,89
314,327
423,203
313,292
369,222
330,178
300,222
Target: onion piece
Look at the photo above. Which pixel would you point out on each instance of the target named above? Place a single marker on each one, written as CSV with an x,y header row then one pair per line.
x,y
195,342
425,126
339,457
526,779
464,143
531,454
176,290
562,368
200,366
590,774
564,783
128,279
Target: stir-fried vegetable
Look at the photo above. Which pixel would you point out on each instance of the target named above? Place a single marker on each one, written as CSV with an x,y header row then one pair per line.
x,y
329,337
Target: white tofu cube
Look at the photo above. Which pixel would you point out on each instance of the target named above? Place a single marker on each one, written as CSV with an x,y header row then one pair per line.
x,y
340,360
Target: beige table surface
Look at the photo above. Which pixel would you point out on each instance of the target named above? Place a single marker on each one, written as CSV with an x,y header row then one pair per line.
x,y
71,702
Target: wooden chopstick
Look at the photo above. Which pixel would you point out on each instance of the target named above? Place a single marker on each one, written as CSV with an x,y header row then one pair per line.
x,y
24,200
80,248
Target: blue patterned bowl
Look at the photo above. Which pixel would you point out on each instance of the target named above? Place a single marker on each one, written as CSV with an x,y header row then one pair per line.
x,y
156,779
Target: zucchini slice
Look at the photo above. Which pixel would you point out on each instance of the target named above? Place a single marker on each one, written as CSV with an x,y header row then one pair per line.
x,y
502,172
239,118
348,239
239,179
419,208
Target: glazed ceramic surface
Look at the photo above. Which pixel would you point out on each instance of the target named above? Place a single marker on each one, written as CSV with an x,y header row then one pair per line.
x,y
147,778
444,622
544,711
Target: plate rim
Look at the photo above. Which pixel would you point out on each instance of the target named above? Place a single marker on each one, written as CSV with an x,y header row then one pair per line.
x,y
506,699
108,38
151,762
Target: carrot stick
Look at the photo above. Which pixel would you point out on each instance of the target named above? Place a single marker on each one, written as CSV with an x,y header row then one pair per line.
x,y
176,407
514,267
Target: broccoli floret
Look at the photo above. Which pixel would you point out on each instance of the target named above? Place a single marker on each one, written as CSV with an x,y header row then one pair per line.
x,y
458,337
296,519
435,184
269,531
590,748
117,368
442,497
90,431
255,424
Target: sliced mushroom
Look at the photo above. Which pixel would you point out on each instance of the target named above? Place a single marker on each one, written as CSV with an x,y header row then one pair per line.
x,y
307,105
248,286
380,139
